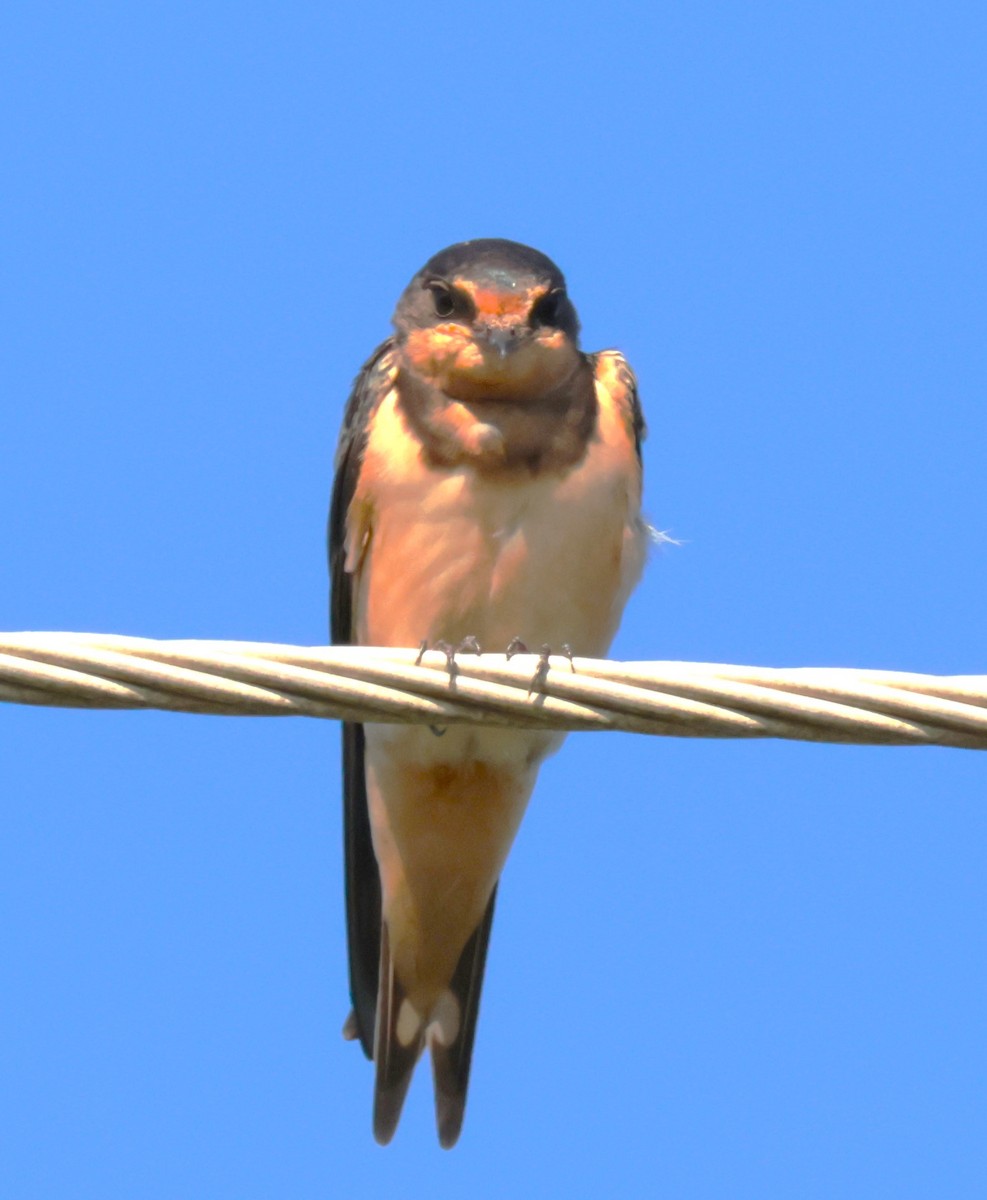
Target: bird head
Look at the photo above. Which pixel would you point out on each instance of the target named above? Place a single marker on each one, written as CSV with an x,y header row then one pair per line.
x,y
489,319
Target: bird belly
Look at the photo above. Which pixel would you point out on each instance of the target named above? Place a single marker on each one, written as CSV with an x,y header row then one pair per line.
x,y
444,812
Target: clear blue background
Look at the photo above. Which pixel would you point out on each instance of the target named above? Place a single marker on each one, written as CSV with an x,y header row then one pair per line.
x,y
719,969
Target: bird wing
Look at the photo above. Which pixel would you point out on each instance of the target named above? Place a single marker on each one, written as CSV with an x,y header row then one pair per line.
x,y
363,904
613,372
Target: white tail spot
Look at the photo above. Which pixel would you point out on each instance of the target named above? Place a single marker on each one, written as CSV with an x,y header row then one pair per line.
x,y
444,1025
409,1023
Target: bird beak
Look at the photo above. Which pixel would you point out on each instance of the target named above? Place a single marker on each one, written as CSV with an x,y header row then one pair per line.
x,y
501,338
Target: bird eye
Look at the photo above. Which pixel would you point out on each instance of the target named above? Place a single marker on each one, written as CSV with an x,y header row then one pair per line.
x,y
442,298
549,308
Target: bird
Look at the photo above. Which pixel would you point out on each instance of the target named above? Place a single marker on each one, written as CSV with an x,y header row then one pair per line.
x,y
486,497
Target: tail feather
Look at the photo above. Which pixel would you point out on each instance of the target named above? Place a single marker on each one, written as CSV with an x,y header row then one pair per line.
x,y
451,1041
399,1038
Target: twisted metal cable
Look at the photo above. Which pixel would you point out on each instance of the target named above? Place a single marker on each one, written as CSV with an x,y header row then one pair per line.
x,y
674,699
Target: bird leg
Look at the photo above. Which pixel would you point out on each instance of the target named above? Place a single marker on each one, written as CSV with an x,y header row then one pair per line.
x,y
541,668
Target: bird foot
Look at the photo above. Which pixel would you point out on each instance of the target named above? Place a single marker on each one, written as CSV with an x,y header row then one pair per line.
x,y
541,669
469,645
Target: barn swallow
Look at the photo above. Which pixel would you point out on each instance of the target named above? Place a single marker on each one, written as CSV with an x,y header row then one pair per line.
x,y
488,487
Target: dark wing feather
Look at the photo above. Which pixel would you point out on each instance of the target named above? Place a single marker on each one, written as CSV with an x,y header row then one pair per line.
x,y
362,879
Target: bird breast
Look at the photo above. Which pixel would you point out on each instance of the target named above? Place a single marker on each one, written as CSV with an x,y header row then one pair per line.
x,y
442,554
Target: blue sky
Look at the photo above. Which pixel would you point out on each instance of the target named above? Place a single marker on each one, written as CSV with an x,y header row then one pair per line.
x,y
718,969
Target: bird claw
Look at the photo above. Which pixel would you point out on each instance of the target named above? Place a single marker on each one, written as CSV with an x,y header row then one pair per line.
x,y
516,646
